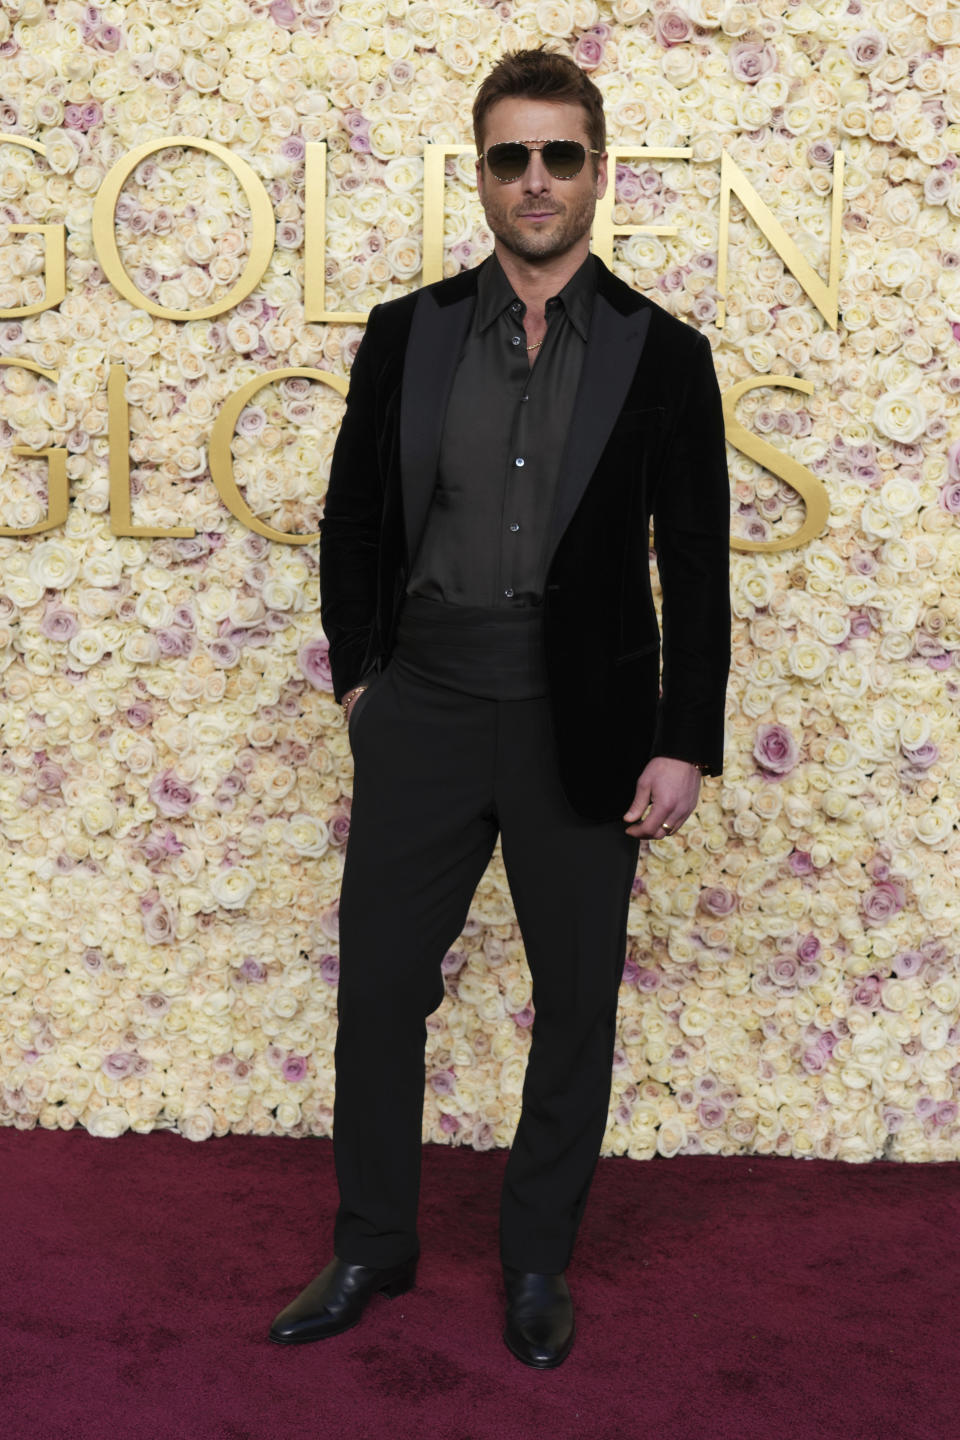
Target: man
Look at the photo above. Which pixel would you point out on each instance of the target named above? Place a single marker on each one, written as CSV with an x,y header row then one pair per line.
x,y
485,591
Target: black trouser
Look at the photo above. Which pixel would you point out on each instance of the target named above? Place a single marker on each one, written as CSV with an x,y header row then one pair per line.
x,y
437,773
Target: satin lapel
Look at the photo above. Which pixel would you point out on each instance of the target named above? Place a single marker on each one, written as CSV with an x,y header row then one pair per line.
x,y
614,346
437,333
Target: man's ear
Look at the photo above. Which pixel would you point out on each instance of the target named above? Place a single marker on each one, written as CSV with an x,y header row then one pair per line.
x,y
601,175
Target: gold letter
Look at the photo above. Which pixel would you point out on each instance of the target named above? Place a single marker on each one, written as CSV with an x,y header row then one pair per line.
x,y
825,297
58,492
433,178
105,240
315,242
221,460
811,490
604,229
118,429
54,253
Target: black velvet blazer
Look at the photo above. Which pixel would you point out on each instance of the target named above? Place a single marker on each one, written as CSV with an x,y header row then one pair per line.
x,y
646,439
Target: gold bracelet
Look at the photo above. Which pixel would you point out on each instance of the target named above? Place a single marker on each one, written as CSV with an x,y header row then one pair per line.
x,y
345,702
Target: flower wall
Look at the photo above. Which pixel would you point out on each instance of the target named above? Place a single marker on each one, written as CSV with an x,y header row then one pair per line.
x,y
175,776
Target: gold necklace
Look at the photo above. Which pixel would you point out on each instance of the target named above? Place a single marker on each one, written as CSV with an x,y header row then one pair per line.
x,y
537,346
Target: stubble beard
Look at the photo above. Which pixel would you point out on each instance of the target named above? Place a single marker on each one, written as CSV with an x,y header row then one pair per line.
x,y
527,244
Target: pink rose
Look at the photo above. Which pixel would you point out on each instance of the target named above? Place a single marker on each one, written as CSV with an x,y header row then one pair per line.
x,y
330,969
775,749
784,970
809,948
588,51
882,902
867,49
717,900
59,624
711,1113
171,795
673,27
118,1064
750,61
283,13
953,456
800,862
923,756
314,661
158,923
867,992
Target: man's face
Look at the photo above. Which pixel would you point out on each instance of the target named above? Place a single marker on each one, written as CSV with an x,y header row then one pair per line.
x,y
538,217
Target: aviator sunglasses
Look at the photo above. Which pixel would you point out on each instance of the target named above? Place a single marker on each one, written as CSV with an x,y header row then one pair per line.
x,y
563,159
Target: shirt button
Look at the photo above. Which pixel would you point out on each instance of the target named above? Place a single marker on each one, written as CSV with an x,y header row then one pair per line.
x,y
515,340
514,527
524,398
519,460
509,594
516,307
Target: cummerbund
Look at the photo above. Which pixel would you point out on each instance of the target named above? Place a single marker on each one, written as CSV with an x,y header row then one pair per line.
x,y
491,652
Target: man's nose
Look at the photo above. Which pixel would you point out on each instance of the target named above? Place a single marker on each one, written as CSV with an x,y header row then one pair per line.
x,y
536,177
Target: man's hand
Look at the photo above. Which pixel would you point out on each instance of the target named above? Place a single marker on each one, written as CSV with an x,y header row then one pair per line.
x,y
670,788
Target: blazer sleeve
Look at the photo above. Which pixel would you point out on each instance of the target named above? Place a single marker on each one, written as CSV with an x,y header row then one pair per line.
x,y
691,521
350,526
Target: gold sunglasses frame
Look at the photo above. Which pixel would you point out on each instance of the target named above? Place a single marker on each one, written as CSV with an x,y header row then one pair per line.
x,y
530,146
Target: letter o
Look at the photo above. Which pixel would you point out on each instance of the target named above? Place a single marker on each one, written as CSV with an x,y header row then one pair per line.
x,y
105,240
221,461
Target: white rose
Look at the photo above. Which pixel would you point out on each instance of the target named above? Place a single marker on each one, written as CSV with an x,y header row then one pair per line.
x,y
53,565
934,824
232,887
555,17
197,1124
671,1136
281,595
98,815
900,416
108,1123
899,497
808,659
103,570
306,834
945,994
87,647
933,1031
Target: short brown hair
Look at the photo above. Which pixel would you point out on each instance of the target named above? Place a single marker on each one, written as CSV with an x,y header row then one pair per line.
x,y
541,75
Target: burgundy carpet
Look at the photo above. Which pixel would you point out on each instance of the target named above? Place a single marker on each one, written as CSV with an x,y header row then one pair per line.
x,y
716,1299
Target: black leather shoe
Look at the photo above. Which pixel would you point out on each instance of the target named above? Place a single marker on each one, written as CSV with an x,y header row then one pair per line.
x,y
337,1298
540,1325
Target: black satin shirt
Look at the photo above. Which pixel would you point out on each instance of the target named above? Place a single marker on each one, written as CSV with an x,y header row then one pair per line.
x,y
484,540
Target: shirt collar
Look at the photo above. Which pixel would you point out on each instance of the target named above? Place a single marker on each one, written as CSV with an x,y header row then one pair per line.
x,y
495,294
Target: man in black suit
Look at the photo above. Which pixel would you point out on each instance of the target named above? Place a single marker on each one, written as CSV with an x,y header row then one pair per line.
x,y
485,591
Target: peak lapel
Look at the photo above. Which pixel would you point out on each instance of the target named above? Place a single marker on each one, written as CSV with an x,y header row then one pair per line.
x,y
437,332
614,345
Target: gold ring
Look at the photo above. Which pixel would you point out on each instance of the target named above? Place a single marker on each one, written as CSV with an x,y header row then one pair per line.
x,y
667,828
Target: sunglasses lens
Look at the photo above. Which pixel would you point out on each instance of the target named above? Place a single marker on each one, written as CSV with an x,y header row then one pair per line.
x,y
564,158
508,161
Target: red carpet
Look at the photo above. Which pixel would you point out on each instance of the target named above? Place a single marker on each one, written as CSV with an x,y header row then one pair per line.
x,y
749,1298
